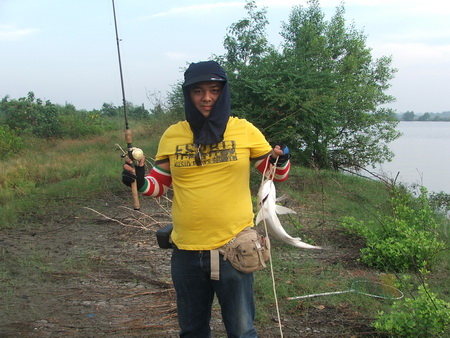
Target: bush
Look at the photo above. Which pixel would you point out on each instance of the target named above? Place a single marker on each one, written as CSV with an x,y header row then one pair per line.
x,y
405,240
423,316
79,124
31,116
10,143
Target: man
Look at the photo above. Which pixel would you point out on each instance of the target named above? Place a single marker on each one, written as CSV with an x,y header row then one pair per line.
x,y
207,161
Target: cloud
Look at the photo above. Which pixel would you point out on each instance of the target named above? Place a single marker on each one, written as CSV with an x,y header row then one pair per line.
x,y
9,33
177,56
433,37
412,7
195,9
213,7
412,54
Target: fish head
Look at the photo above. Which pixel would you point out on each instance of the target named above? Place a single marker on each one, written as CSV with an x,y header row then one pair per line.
x,y
266,191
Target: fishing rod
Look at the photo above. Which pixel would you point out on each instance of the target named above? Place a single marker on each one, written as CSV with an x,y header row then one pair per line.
x,y
134,154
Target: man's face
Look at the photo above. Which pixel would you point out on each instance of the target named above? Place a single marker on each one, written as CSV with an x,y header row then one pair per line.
x,y
204,95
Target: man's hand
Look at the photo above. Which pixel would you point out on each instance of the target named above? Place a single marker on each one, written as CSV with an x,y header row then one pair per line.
x,y
277,151
281,152
130,173
128,166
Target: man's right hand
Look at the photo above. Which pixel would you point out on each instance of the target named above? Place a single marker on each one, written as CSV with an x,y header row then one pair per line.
x,y
129,172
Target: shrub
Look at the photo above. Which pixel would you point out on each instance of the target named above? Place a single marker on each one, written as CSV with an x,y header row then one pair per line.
x,y
405,240
10,143
31,116
423,316
79,124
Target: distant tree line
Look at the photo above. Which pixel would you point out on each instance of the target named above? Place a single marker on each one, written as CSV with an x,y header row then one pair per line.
x,y
411,116
31,116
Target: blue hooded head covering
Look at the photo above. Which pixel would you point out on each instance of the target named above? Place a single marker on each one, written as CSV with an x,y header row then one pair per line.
x,y
207,130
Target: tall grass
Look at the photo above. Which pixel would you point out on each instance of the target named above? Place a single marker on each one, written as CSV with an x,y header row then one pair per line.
x,y
48,173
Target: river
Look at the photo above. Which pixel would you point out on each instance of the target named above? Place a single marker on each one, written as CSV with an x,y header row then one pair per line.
x,y
422,155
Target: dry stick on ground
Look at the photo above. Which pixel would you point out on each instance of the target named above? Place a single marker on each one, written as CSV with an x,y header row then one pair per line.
x,y
141,226
137,219
108,218
165,213
154,221
148,293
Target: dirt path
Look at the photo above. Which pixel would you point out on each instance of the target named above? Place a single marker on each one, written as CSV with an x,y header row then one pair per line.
x,y
76,273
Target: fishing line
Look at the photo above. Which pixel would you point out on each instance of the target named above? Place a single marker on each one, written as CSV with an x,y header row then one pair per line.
x,y
365,288
270,174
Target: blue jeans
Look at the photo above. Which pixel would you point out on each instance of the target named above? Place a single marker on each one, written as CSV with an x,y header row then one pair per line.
x,y
195,293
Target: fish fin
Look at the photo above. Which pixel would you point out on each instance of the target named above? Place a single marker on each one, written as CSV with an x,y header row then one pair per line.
x,y
283,210
281,198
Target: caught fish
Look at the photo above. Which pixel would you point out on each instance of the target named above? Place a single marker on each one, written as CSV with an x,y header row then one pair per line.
x,y
268,210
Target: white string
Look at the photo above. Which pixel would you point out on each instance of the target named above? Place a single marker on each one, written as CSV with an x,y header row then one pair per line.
x,y
356,290
270,175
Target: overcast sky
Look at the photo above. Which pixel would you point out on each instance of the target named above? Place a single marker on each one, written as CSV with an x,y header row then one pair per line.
x,y
65,51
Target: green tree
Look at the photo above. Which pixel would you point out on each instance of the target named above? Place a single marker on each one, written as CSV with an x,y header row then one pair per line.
x,y
409,116
246,41
137,111
321,93
10,143
31,115
108,109
246,45
425,117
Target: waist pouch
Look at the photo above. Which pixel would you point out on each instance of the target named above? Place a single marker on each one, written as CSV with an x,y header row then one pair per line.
x,y
248,251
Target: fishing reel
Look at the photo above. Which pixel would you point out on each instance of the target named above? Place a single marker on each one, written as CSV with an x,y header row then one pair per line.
x,y
135,154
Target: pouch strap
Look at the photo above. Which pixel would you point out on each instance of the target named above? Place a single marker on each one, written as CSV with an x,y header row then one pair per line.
x,y
215,264
259,249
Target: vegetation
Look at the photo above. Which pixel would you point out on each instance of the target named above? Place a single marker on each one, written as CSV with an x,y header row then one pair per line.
x,y
63,169
10,142
321,92
411,116
423,316
31,117
69,172
405,240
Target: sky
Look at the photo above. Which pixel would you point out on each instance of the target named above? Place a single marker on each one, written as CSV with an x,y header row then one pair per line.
x,y
66,52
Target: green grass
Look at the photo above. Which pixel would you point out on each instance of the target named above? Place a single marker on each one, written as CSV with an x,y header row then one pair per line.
x,y
328,195
322,199
49,173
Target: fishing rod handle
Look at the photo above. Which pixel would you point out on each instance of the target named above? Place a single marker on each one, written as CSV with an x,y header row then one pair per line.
x,y
135,194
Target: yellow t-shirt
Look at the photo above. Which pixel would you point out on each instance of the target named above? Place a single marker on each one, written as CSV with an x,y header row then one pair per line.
x,y
212,203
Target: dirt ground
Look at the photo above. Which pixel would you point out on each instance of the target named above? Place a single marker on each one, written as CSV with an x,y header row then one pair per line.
x,y
95,269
